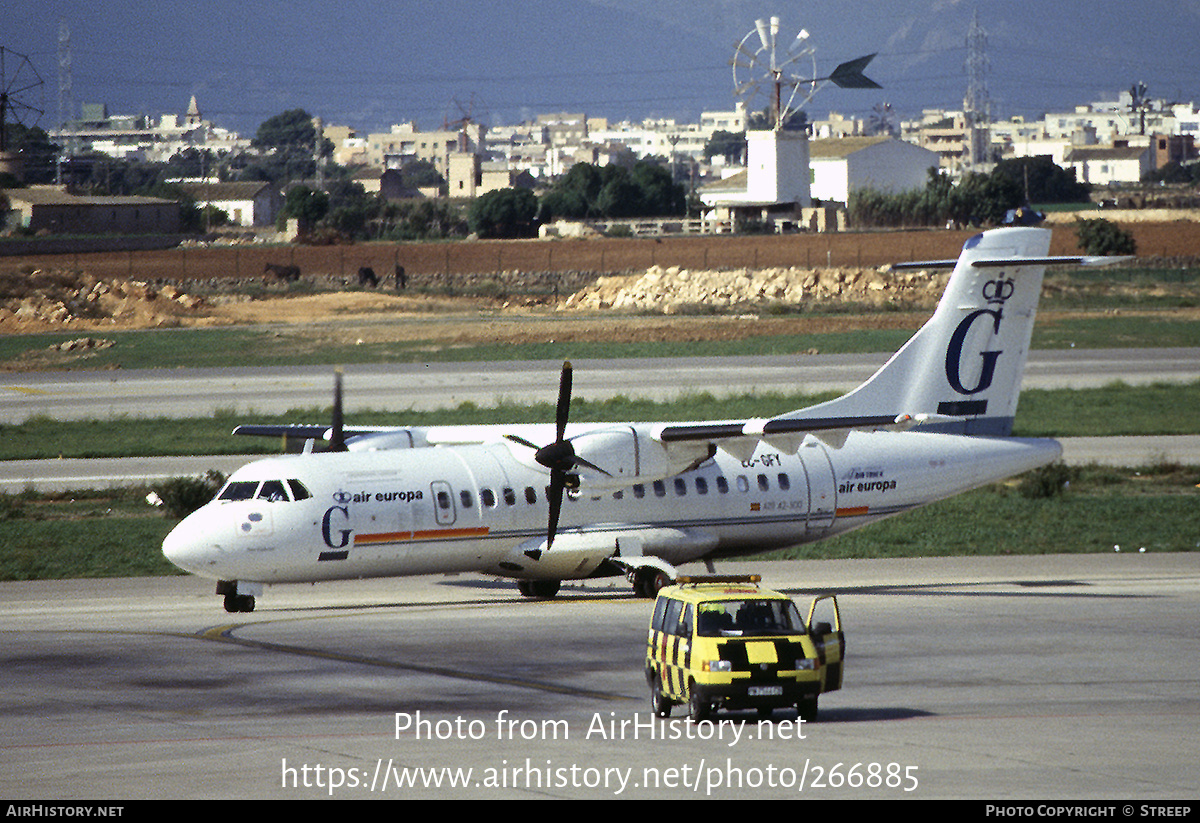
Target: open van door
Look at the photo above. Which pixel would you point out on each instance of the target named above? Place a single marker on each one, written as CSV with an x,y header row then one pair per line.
x,y
825,628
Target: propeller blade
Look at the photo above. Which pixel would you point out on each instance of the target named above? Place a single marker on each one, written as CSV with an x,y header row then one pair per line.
x,y
555,495
564,400
337,439
579,461
518,439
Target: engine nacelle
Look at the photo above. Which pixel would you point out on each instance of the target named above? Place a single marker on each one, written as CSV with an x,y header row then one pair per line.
x,y
630,456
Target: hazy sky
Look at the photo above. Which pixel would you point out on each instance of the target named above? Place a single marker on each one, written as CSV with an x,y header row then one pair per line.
x,y
369,63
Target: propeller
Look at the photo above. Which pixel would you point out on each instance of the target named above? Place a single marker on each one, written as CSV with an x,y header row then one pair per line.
x,y
559,457
337,439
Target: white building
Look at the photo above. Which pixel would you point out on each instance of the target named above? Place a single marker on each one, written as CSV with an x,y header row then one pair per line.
x,y
839,166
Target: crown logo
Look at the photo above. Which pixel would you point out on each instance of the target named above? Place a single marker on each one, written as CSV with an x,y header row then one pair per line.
x,y
342,496
997,291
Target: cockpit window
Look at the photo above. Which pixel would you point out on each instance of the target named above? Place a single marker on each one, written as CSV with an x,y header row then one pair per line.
x,y
299,492
239,490
273,492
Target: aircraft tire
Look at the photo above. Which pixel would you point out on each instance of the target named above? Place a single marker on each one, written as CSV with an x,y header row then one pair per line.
x,y
237,603
541,589
807,709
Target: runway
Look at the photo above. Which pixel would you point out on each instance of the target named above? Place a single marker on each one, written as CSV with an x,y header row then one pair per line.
x,y
69,396
1052,677
247,391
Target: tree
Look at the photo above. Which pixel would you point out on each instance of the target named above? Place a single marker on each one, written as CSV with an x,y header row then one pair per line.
x,y
287,143
726,144
306,205
1046,181
503,213
1101,237
587,190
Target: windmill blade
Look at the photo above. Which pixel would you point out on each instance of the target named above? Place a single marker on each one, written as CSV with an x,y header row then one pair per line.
x,y
849,75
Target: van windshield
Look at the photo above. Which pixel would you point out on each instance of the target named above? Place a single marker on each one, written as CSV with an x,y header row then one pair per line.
x,y
748,618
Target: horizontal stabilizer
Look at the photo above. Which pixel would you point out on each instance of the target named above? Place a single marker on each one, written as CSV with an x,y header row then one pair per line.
x,y
1005,262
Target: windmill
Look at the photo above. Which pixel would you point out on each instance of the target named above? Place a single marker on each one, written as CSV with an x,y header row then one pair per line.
x,y
18,80
770,70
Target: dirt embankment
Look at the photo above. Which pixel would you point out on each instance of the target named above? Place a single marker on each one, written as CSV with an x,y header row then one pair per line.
x,y
686,276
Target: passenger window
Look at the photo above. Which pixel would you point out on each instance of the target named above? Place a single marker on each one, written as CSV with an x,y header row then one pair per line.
x,y
443,500
785,482
466,498
701,486
680,486
660,489
510,497
299,492
743,484
639,491
722,484
488,498
763,483
530,495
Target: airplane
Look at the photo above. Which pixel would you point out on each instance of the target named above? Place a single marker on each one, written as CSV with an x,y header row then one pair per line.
x,y
544,503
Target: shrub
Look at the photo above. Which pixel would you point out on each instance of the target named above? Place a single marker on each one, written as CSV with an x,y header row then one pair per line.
x,y
1101,237
183,495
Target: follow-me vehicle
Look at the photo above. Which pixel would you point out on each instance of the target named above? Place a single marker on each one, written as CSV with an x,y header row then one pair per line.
x,y
552,502
727,643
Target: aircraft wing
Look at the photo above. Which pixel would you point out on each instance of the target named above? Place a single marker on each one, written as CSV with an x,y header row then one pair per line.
x,y
742,438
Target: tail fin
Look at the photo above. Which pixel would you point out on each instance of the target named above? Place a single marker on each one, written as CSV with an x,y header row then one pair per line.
x,y
961,372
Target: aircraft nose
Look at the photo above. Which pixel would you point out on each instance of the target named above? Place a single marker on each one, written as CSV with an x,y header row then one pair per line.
x,y
190,546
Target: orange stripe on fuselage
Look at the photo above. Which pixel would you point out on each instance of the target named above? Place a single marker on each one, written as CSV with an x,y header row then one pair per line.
x,y
426,534
852,511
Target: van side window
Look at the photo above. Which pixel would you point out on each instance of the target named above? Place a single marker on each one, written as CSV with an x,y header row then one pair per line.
x,y
671,621
660,612
685,622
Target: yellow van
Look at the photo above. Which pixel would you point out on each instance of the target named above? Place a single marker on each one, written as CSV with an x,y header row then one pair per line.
x,y
727,643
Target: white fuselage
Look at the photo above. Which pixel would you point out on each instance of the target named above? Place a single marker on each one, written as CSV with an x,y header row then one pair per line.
x,y
479,508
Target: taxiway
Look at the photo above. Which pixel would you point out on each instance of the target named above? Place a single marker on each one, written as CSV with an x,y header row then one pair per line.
x,y
1006,678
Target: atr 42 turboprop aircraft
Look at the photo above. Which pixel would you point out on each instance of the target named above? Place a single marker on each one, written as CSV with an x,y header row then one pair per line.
x,y
642,498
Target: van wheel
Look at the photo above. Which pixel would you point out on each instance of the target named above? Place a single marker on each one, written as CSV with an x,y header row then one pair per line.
x,y
698,707
659,704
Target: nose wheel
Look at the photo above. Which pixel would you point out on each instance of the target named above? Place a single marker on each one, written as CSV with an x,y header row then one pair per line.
x,y
235,603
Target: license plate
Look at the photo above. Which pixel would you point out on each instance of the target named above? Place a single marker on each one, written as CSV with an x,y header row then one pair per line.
x,y
765,691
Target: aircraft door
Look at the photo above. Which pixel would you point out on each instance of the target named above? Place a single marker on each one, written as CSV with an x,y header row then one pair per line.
x,y
444,511
822,486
